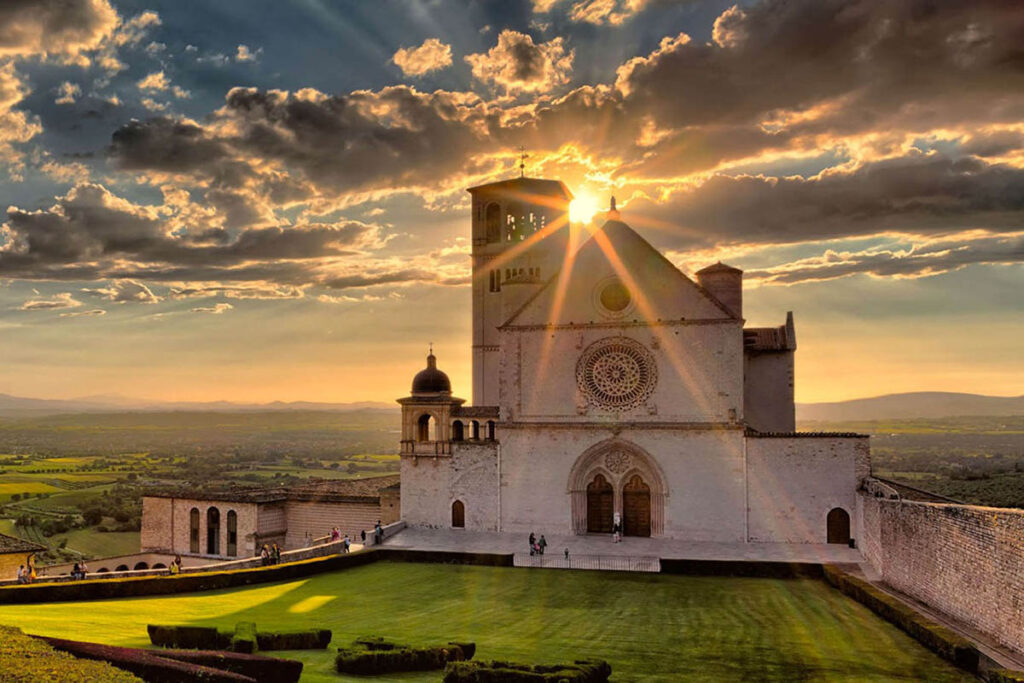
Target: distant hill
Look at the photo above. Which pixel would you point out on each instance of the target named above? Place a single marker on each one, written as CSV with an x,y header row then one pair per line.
x,y
918,404
17,406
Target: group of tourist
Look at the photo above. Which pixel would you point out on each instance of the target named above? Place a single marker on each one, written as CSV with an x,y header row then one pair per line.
x,y
537,545
270,555
26,574
79,571
175,567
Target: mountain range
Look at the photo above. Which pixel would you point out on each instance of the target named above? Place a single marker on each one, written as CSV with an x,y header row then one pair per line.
x,y
920,404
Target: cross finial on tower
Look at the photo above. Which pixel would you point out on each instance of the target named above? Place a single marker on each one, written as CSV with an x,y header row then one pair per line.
x,y
613,203
431,349
522,161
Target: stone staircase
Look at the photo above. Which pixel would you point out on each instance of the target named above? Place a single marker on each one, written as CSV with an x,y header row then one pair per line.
x,y
610,563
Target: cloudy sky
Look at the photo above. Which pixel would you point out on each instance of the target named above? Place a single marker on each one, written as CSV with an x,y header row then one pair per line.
x,y
262,199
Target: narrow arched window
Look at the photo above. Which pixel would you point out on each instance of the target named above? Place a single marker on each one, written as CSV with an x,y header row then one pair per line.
x,y
213,531
193,530
490,430
232,533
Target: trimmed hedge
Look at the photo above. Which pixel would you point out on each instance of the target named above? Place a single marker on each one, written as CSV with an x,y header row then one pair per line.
x,y
935,637
244,640
373,656
146,664
509,672
767,570
189,637
1005,676
317,639
107,589
24,659
377,643
447,557
262,669
210,638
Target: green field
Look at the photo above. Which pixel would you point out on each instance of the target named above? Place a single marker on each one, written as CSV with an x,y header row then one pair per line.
x,y
649,627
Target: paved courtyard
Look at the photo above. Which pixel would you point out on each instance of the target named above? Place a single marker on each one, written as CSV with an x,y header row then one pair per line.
x,y
595,544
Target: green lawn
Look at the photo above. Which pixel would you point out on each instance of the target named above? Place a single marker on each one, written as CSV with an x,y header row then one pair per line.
x,y
649,627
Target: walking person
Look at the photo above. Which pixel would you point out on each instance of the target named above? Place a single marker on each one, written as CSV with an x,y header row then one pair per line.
x,y
275,555
265,555
542,543
346,545
22,575
378,533
362,536
335,535
533,543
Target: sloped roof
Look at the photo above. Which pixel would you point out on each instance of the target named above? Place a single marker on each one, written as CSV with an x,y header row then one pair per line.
x,y
539,186
718,268
612,250
11,544
781,338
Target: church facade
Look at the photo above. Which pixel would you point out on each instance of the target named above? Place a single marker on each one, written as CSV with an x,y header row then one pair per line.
x,y
610,388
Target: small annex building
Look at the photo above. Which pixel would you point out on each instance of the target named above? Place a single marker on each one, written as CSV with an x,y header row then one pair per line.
x,y
15,552
235,522
611,388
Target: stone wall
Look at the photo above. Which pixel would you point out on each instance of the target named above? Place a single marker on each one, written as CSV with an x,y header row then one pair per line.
x,y
793,483
768,391
964,560
318,518
431,485
166,526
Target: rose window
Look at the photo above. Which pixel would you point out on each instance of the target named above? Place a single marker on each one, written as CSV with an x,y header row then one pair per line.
x,y
616,373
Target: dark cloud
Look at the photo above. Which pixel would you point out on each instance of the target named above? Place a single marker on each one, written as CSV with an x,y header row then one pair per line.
x,y
919,193
927,260
91,225
64,28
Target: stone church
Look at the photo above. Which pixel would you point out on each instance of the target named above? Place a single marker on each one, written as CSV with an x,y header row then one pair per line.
x,y
610,387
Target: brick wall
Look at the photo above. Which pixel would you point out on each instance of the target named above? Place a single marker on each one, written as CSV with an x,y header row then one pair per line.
x,y
964,560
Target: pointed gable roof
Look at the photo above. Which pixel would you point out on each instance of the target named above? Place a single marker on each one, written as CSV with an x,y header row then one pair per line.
x,y
658,290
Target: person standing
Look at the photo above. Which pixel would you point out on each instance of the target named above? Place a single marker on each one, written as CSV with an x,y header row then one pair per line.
x,y
362,536
22,576
265,555
542,543
346,545
533,544
378,534
275,554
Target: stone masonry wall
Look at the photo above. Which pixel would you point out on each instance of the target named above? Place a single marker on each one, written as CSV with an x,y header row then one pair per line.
x,y
964,560
317,519
793,483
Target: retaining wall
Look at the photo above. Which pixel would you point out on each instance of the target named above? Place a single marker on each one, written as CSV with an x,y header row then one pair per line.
x,y
964,560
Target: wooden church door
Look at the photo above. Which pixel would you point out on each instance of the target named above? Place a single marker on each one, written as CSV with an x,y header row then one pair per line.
x,y
636,507
599,506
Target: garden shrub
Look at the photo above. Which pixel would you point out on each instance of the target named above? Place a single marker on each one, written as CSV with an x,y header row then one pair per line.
x,y
317,639
510,672
189,637
377,643
244,639
24,659
939,639
383,657
262,669
146,664
1005,676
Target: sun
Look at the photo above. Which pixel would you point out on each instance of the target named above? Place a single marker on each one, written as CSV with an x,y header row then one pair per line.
x,y
583,208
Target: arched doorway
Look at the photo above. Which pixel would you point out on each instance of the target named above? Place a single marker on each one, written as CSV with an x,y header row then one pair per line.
x,y
636,507
458,515
838,526
600,505
619,462
458,432
213,531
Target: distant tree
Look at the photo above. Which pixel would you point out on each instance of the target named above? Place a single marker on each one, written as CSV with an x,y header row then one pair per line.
x,y
16,496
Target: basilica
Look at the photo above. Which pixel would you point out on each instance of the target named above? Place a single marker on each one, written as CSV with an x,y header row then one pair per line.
x,y
611,389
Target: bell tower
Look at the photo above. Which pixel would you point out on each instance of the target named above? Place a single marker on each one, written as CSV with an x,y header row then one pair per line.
x,y
520,235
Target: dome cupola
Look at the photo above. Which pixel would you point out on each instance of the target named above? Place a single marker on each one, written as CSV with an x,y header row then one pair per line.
x,y
430,380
